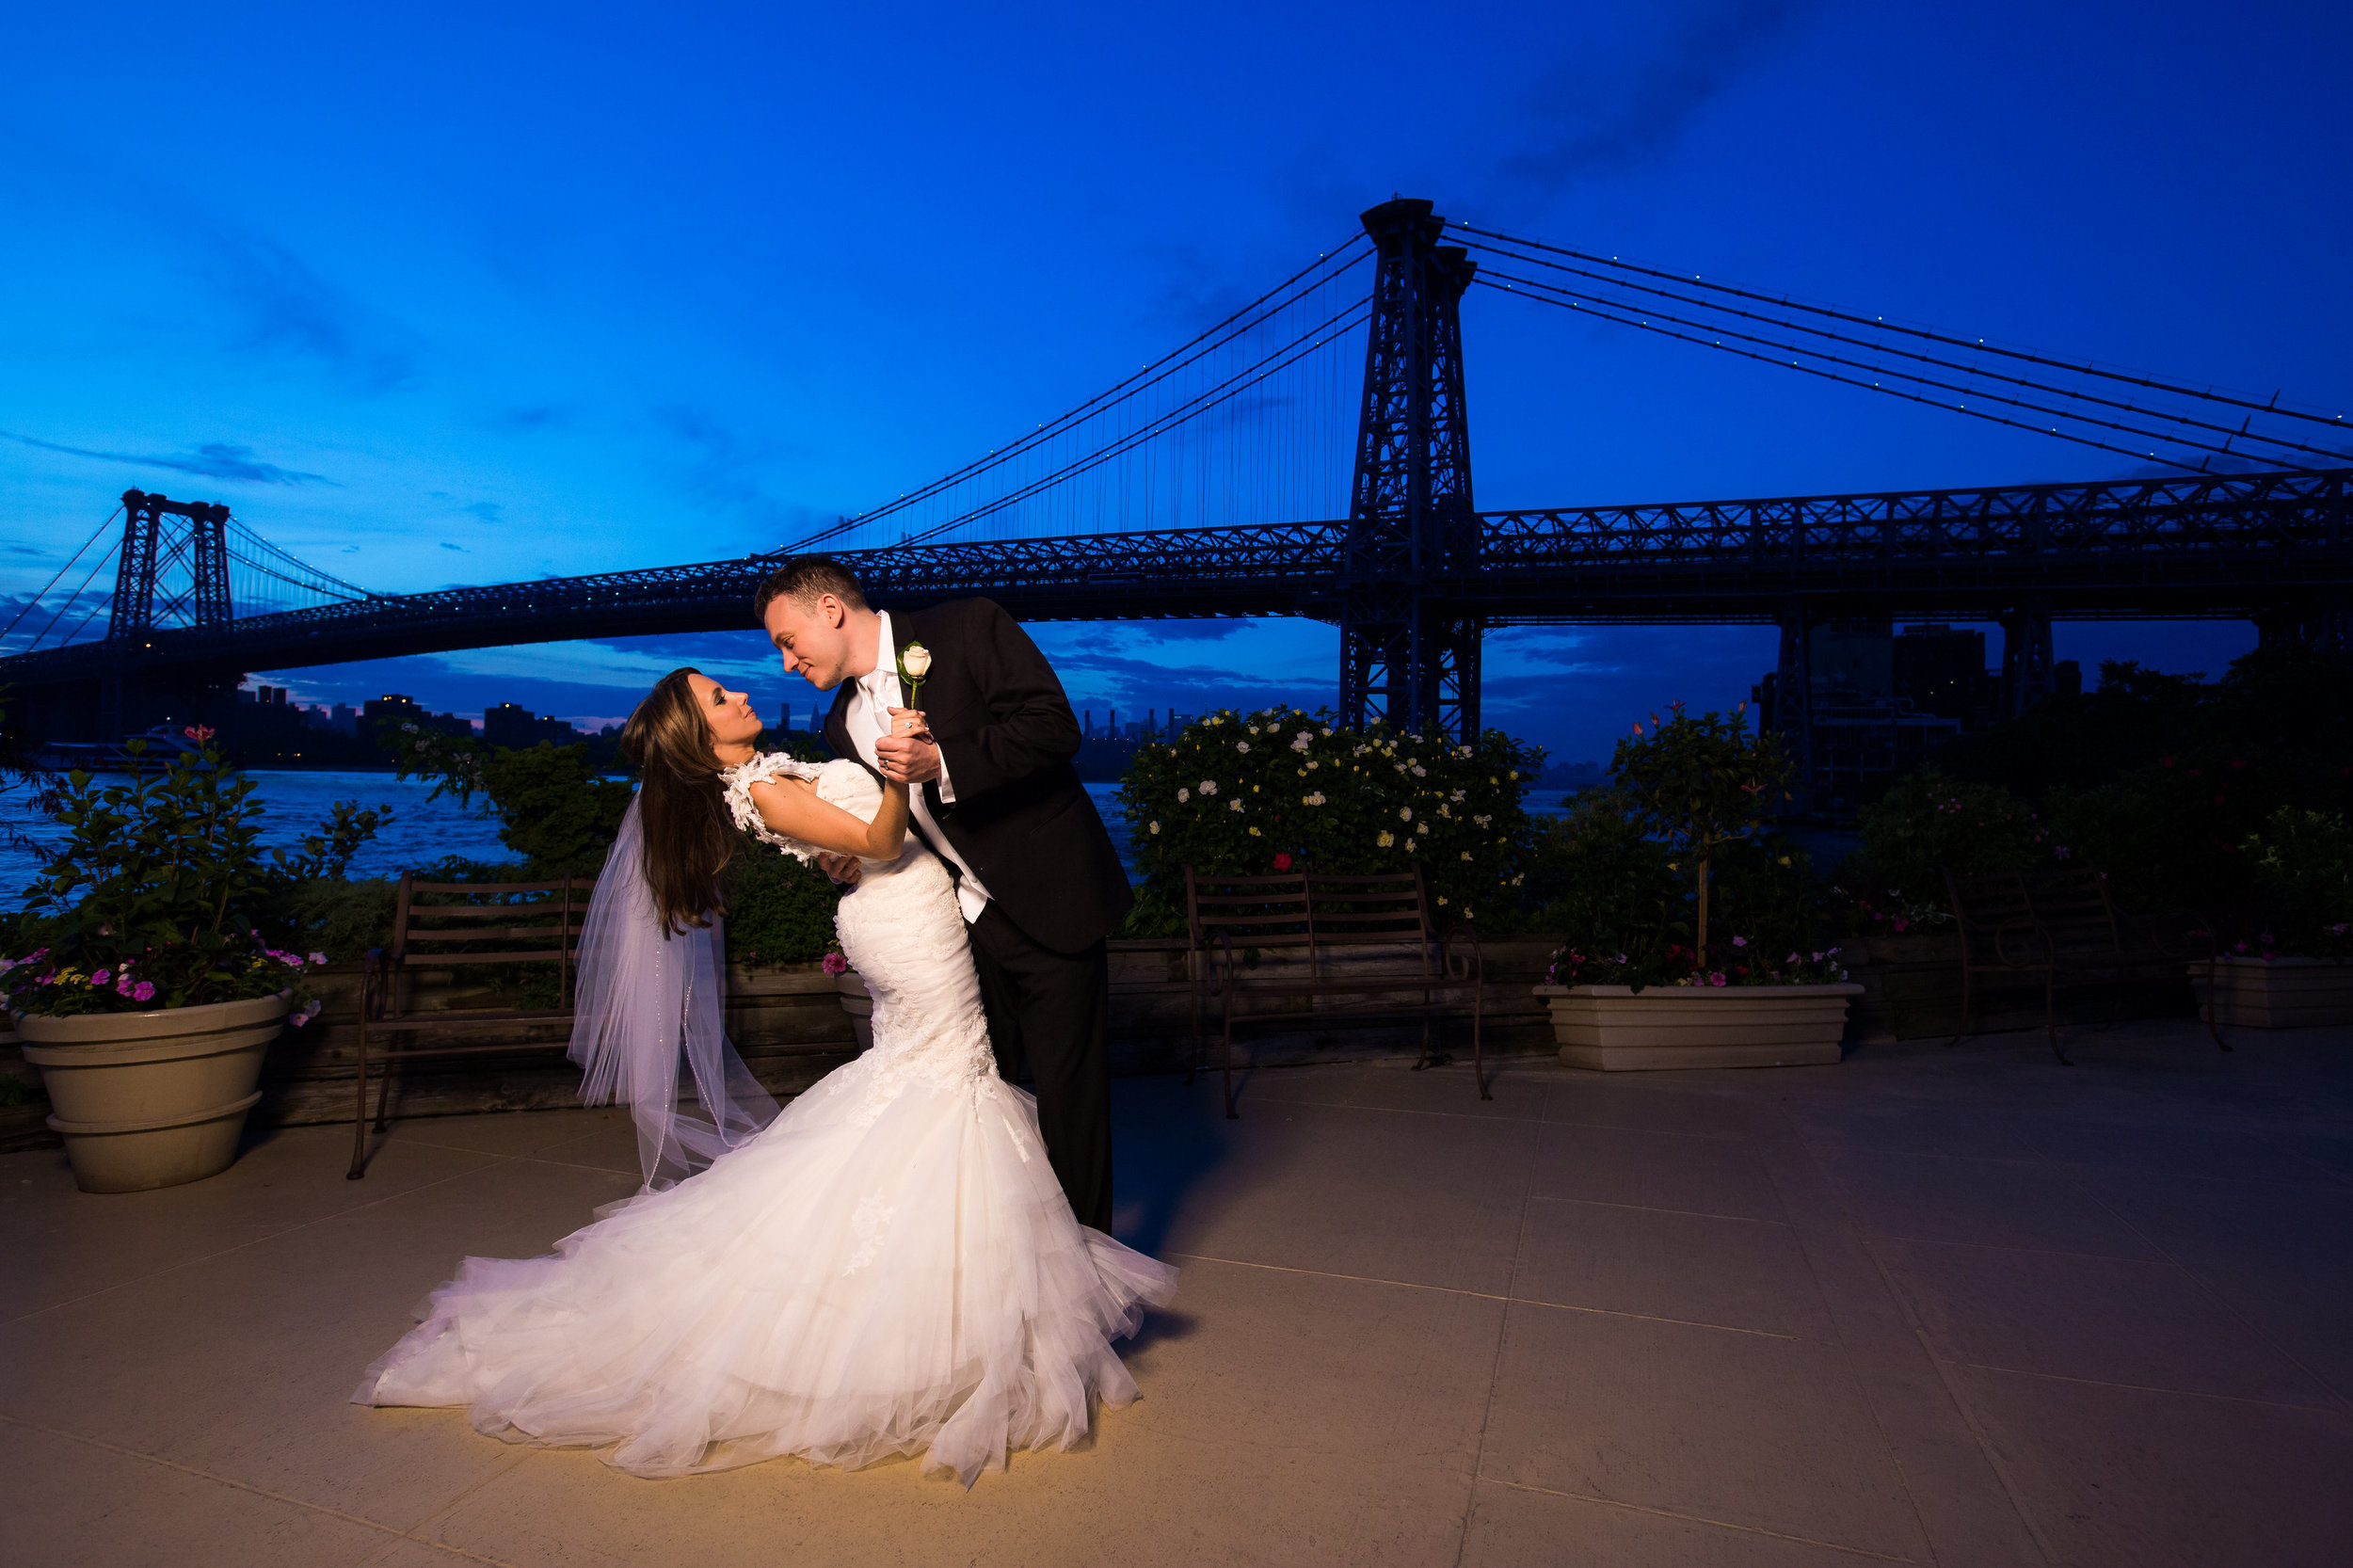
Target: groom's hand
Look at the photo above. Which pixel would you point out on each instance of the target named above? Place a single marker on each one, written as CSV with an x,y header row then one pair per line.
x,y
907,758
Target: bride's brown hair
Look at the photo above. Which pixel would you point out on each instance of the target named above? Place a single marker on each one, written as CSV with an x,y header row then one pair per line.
x,y
682,806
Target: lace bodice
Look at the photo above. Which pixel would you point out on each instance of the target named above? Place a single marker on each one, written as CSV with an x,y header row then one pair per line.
x,y
838,782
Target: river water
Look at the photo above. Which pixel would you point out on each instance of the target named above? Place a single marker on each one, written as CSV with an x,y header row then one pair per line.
x,y
421,830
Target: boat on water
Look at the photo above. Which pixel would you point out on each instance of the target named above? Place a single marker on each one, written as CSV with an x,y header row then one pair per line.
x,y
164,745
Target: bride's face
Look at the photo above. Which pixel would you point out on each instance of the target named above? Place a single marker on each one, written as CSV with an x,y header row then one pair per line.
x,y
728,713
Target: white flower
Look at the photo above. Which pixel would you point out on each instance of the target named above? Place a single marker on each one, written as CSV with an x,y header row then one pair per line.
x,y
1312,764
1385,840
1302,741
1254,729
1243,745
1155,827
916,659
1405,813
1183,796
1209,785
1316,799
1233,806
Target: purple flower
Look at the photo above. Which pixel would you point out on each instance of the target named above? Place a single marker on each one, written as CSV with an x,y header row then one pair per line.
x,y
1715,979
318,958
143,991
102,977
1739,941
837,964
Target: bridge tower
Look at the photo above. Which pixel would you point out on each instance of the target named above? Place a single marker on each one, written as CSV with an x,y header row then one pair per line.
x,y
147,549
1408,654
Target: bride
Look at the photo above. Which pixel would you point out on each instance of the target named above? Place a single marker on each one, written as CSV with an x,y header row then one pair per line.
x,y
887,1266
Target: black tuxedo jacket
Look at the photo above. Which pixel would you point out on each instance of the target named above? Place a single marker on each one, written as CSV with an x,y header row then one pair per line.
x,y
1021,819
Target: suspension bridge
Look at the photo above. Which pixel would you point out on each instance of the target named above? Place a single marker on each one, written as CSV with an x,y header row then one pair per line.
x,y
1217,481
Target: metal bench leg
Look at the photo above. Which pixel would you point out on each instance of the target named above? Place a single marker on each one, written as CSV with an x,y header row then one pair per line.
x,y
359,1119
384,1098
1231,1115
1478,1050
1192,1062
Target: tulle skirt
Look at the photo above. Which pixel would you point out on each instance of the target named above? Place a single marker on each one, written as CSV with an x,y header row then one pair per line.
x,y
875,1274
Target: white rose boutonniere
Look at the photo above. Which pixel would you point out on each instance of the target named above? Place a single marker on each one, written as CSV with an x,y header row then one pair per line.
x,y
915,662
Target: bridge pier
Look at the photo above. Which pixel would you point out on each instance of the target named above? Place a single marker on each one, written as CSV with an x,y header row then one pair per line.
x,y
2322,623
1408,655
2026,662
1793,693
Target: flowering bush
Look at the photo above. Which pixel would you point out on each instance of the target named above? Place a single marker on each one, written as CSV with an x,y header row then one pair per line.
x,y
2302,862
157,895
1254,794
1702,785
1925,822
1745,963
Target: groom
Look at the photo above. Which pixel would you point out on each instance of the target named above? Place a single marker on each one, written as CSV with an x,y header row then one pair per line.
x,y
1000,804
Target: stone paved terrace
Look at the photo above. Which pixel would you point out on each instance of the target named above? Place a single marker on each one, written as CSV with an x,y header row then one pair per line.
x,y
1955,1306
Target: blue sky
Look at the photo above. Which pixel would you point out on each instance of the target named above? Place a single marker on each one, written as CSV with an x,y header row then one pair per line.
x,y
465,294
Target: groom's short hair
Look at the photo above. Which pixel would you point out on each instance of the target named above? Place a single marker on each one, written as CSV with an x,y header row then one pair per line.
x,y
803,578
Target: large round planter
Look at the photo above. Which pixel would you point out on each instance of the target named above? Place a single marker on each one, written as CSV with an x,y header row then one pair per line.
x,y
858,1002
2273,993
1617,1028
153,1099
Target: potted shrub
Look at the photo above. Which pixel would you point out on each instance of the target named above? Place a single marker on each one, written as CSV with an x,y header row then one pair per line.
x,y
2296,969
150,993
1641,995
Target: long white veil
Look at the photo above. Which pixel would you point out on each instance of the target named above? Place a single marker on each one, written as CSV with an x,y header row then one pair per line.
x,y
649,1006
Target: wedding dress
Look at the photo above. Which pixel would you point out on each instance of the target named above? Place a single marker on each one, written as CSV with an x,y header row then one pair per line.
x,y
889,1268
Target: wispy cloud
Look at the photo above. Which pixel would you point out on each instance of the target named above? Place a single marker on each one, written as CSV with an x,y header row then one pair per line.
x,y
1599,112
213,460
459,548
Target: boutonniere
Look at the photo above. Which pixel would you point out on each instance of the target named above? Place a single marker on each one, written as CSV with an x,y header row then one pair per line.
x,y
915,662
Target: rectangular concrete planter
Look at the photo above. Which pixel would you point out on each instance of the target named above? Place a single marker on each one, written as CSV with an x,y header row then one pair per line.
x,y
1617,1028
2275,993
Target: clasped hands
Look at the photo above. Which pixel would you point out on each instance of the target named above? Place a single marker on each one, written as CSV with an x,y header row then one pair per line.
x,y
907,755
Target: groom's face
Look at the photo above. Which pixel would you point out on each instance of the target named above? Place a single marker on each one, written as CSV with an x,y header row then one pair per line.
x,y
813,638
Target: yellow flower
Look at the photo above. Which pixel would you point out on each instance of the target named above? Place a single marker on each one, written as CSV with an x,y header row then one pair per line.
x,y
1254,832
1385,840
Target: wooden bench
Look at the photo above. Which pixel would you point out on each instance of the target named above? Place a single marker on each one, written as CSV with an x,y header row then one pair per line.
x,y
439,925
1365,937
2063,926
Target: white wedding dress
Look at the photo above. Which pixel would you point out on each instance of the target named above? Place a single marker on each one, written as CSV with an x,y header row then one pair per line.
x,y
890,1268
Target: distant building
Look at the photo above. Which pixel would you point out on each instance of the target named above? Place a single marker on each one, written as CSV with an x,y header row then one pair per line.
x,y
512,726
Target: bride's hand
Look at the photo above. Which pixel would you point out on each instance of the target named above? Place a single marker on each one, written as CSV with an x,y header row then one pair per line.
x,y
908,754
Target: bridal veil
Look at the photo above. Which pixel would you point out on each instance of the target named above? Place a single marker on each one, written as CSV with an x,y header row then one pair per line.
x,y
649,1024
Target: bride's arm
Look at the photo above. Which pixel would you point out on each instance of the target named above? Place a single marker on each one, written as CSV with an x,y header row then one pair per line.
x,y
793,811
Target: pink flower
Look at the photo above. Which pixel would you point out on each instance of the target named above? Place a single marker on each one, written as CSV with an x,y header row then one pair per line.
x,y
1715,979
1739,941
836,964
102,977
318,958
143,991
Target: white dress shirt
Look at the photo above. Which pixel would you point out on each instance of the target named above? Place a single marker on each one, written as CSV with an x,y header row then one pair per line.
x,y
868,721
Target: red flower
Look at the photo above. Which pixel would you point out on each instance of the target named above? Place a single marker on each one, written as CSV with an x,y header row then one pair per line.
x,y
1283,861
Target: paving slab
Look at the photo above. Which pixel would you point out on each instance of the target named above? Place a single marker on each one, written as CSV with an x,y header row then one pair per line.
x,y
1963,1307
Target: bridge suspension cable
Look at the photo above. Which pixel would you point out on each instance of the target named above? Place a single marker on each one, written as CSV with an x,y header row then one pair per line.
x,y
1238,354
1631,302
33,602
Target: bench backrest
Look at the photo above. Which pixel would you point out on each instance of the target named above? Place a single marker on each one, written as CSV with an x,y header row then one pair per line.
x,y
2071,906
1333,919
436,925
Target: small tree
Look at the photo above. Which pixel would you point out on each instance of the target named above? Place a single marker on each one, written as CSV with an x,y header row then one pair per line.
x,y
1700,784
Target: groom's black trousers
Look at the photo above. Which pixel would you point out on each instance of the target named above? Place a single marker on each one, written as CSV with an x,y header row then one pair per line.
x,y
1046,1012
